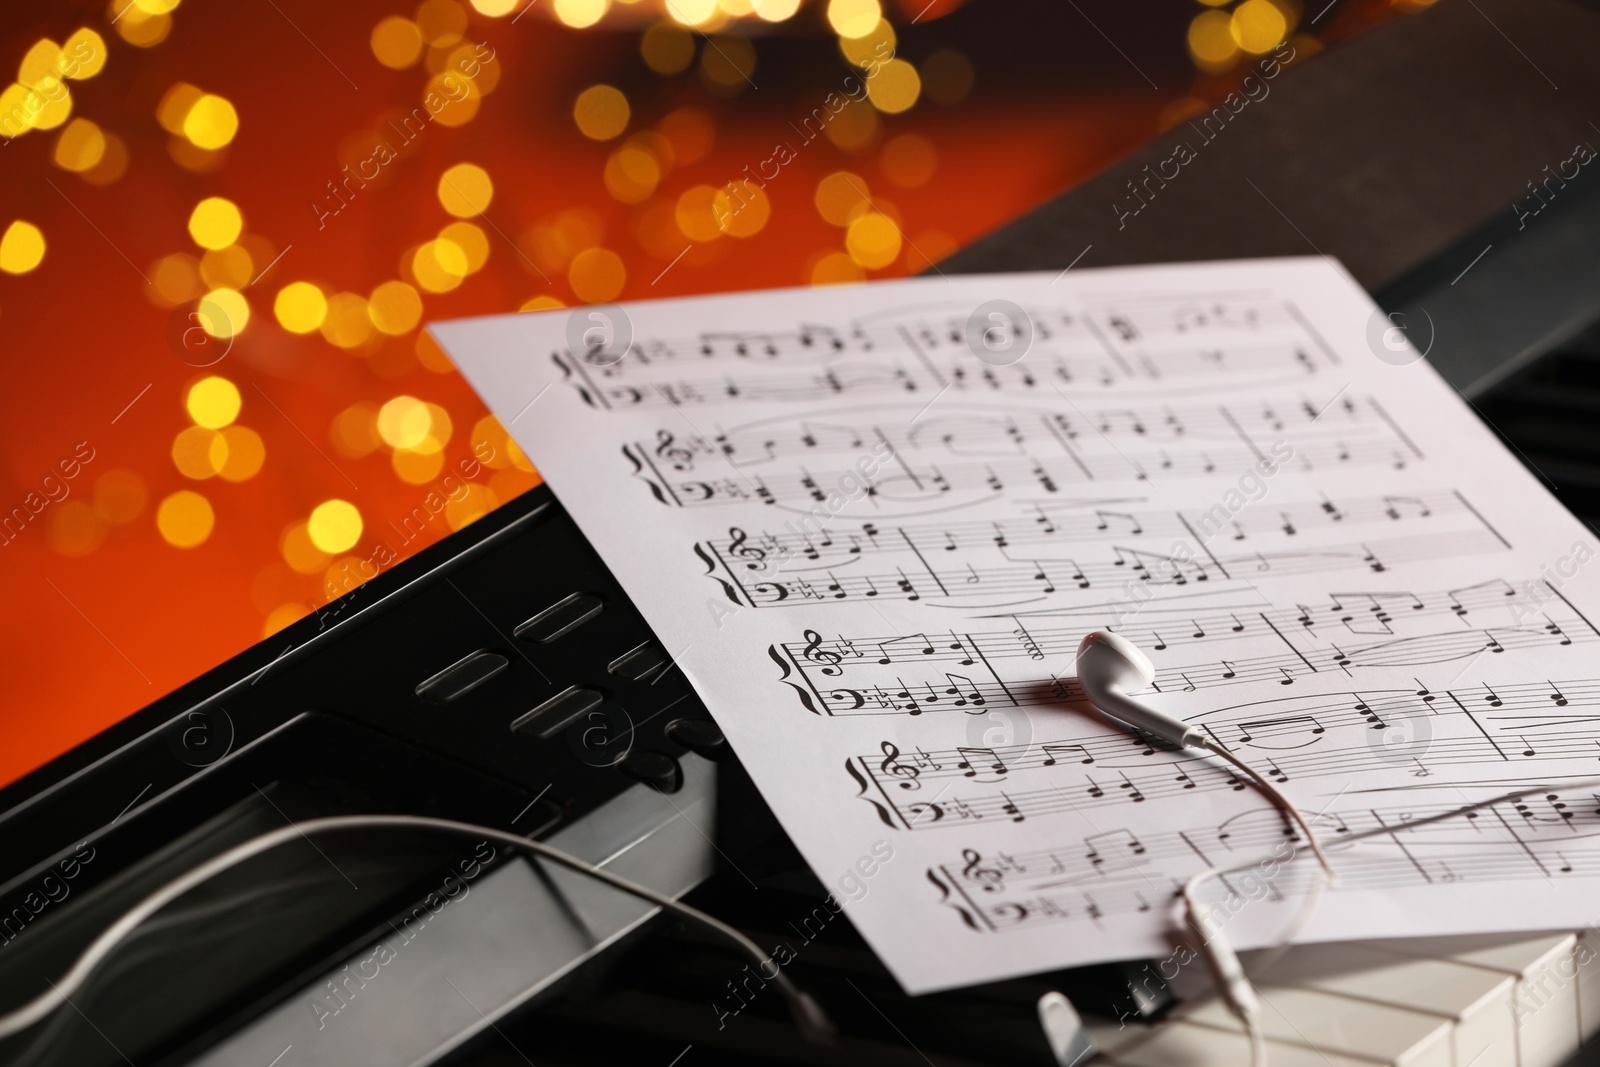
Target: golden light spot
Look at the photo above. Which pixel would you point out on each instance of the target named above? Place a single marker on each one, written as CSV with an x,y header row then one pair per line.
x,y
581,13
836,268
841,196
947,77
215,223
282,617
213,402
1211,42
437,266
692,12
474,504
156,7
667,48
347,323
541,303
417,467
895,88
14,114
245,454
632,174
404,422
139,28
909,160
396,42
854,18
75,529
355,430
742,209
596,275
176,103
691,133
440,427
481,75
697,214
519,458
726,64
1258,26
460,94
472,241
298,551
495,8
211,122
83,55
465,190
80,146
21,248
394,308
48,104
119,496
176,278
441,22
601,112
185,519
870,47
487,431
223,313
300,307
775,10
39,62
227,268
199,452
873,241
112,165
334,526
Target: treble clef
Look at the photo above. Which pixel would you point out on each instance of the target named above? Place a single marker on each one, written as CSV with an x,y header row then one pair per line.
x,y
753,556
989,877
681,458
907,773
817,654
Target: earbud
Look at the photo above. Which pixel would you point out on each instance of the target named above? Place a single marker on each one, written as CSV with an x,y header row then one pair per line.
x,y
1107,664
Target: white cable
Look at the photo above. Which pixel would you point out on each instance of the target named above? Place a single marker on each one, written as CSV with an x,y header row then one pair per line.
x,y
808,1015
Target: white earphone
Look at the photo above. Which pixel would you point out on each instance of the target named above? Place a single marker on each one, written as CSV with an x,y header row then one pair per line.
x,y
1109,664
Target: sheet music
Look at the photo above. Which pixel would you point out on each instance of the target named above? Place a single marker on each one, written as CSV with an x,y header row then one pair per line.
x,y
872,523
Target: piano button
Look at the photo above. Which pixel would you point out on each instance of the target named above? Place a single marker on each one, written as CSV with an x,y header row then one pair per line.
x,y
462,676
655,769
538,818
640,663
699,735
559,712
561,618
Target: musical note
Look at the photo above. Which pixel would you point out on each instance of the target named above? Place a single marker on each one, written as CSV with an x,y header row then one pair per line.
x,y
892,765
815,653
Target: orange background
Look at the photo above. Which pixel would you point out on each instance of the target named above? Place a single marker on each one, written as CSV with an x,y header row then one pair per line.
x,y
103,614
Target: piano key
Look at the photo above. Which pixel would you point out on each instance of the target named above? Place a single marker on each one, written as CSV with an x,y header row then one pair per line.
x,y
1330,1023
1477,1001
1586,961
1545,1004
1181,1044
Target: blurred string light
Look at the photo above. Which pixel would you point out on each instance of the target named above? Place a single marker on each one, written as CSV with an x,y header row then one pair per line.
x,y
1220,39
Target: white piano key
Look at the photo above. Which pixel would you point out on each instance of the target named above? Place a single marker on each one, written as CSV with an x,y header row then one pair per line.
x,y
1180,1044
1477,1000
1545,1005
1330,1023
1586,961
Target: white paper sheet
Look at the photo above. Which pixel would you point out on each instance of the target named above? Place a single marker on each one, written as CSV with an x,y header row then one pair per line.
x,y
871,530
